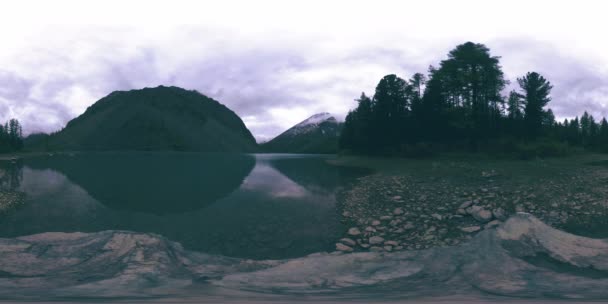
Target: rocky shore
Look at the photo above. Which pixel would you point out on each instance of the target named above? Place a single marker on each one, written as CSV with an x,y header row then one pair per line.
x,y
445,204
10,200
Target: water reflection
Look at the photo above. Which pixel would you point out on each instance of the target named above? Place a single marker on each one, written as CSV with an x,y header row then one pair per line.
x,y
277,211
156,183
10,179
10,174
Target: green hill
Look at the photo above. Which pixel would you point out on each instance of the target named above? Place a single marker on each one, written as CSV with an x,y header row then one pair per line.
x,y
161,118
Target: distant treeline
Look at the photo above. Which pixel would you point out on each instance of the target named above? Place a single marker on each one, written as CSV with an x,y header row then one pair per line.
x,y
460,104
11,136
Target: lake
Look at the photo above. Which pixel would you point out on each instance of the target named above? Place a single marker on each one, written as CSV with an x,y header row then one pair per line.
x,y
264,206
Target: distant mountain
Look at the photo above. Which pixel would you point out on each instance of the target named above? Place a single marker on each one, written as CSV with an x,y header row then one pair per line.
x,y
317,134
161,118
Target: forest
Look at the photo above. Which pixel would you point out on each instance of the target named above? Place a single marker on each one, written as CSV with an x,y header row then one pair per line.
x,y
11,136
462,105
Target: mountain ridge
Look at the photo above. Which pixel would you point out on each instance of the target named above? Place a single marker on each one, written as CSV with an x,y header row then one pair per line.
x,y
159,118
317,134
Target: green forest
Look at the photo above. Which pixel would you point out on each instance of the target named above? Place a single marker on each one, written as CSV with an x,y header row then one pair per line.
x,y
11,136
462,105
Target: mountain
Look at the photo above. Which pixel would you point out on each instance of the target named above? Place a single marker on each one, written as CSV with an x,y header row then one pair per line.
x,y
161,118
317,134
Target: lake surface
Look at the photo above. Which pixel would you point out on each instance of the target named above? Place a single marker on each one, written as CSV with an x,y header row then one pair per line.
x,y
187,227
251,206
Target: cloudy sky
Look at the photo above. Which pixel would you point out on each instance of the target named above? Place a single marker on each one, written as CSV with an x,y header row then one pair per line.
x,y
277,62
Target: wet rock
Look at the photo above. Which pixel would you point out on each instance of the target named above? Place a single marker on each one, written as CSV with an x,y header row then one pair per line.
x,y
391,243
492,224
437,216
470,229
386,218
480,214
499,213
370,229
461,211
398,211
465,205
347,241
343,248
409,226
354,231
375,240
376,249
376,223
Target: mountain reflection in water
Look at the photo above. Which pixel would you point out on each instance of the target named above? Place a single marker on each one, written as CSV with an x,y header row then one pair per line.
x,y
235,205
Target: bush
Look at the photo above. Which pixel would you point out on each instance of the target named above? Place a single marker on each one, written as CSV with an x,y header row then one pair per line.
x,y
541,148
418,150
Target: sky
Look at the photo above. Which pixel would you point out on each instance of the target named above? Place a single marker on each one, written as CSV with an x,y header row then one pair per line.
x,y
275,63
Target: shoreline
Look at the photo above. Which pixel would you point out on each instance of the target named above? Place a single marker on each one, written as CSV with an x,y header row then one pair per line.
x,y
412,204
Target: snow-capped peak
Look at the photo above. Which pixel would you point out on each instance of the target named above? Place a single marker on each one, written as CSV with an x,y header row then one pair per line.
x,y
315,119
310,124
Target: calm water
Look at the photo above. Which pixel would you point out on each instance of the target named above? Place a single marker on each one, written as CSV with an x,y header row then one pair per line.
x,y
253,206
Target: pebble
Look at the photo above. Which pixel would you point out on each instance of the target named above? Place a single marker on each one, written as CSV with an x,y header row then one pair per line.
x,y
347,241
398,211
354,231
470,229
343,248
374,240
492,224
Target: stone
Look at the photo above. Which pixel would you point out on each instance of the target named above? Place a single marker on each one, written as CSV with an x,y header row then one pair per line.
x,y
386,218
375,240
470,229
376,223
461,211
465,205
388,248
492,224
391,243
481,214
398,211
370,229
437,216
409,226
397,197
343,248
499,213
347,241
376,249
354,231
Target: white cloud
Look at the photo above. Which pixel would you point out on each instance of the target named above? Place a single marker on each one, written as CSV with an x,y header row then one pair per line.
x,y
278,62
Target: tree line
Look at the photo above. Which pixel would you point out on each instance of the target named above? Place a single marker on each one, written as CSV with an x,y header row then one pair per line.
x,y
460,103
11,136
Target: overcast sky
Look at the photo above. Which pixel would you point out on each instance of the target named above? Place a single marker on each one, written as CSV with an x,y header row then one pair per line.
x,y
277,62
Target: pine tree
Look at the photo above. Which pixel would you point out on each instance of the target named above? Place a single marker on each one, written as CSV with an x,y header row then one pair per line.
x,y
536,91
